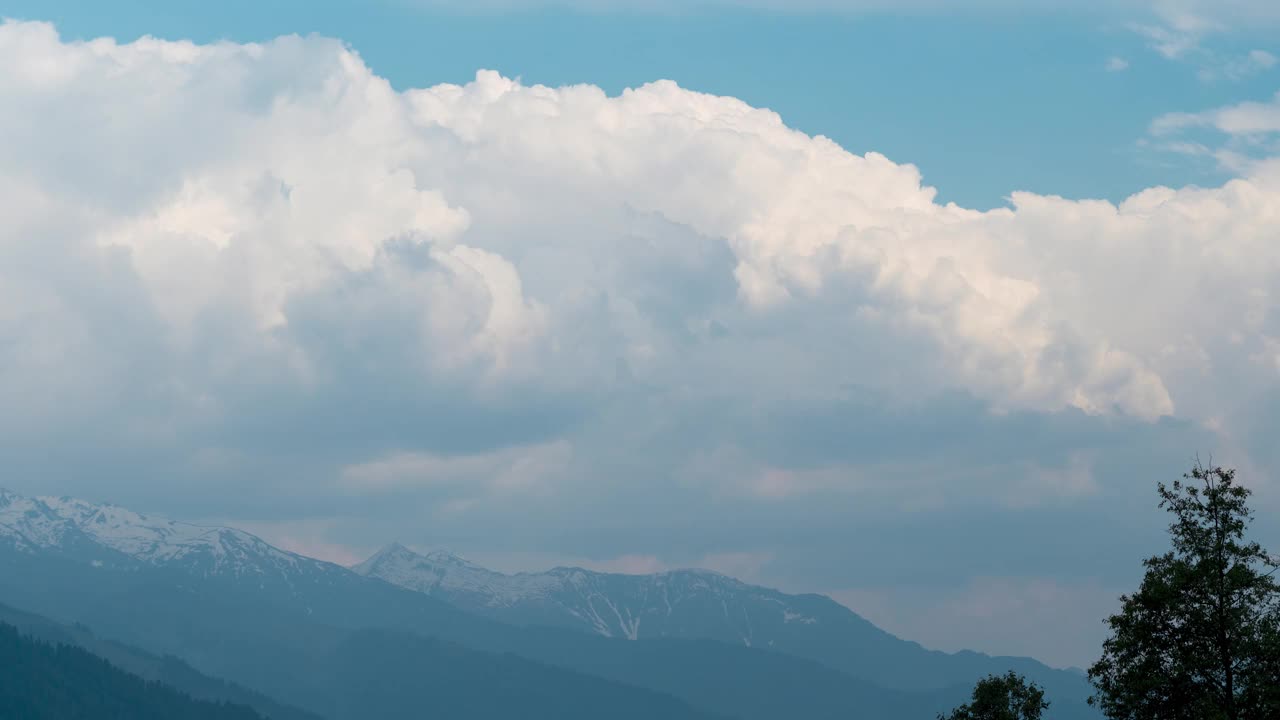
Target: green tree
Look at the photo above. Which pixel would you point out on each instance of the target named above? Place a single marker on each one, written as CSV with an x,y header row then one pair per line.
x,y
1200,639
1002,697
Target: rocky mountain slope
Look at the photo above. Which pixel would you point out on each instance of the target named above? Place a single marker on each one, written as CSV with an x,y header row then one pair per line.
x,y
699,604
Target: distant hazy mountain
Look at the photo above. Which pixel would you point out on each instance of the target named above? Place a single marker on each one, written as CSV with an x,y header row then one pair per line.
x,y
165,670
40,681
700,604
297,629
321,637
681,603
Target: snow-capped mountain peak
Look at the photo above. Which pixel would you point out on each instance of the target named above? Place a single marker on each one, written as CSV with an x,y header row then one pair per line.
x,y
65,524
442,571
614,605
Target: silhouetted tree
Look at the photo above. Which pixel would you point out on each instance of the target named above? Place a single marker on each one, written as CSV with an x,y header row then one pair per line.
x,y
1002,697
1200,639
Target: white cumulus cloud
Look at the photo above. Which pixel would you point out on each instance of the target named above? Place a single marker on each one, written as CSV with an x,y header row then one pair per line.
x,y
200,234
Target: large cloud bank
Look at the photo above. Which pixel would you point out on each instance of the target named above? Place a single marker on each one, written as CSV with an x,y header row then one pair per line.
x,y
267,244
258,280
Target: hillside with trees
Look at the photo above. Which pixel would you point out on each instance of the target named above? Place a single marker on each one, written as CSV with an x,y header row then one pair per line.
x,y
61,682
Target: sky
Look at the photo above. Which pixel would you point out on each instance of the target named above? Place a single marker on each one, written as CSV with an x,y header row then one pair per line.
x,y
911,304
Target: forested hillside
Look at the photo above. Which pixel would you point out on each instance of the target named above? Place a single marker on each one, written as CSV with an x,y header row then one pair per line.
x,y
60,682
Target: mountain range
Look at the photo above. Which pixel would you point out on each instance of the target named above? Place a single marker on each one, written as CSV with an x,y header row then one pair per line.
x,y
697,604
403,634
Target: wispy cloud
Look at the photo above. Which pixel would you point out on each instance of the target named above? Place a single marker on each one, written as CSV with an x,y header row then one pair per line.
x,y
1244,119
513,469
1181,31
1238,137
1178,31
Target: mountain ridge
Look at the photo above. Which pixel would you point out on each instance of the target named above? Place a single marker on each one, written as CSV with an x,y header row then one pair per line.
x,y
43,522
699,604
464,583
244,616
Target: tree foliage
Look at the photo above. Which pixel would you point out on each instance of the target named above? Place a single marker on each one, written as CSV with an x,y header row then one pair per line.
x,y
1200,639
39,681
1002,697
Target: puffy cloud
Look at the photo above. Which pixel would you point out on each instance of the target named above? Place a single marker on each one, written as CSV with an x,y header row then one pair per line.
x,y
277,216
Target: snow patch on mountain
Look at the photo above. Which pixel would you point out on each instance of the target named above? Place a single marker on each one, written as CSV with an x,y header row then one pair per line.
x,y
438,571
42,523
614,605
788,616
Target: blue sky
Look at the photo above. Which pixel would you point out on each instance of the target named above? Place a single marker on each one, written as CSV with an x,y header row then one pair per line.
x,y
477,280
984,101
